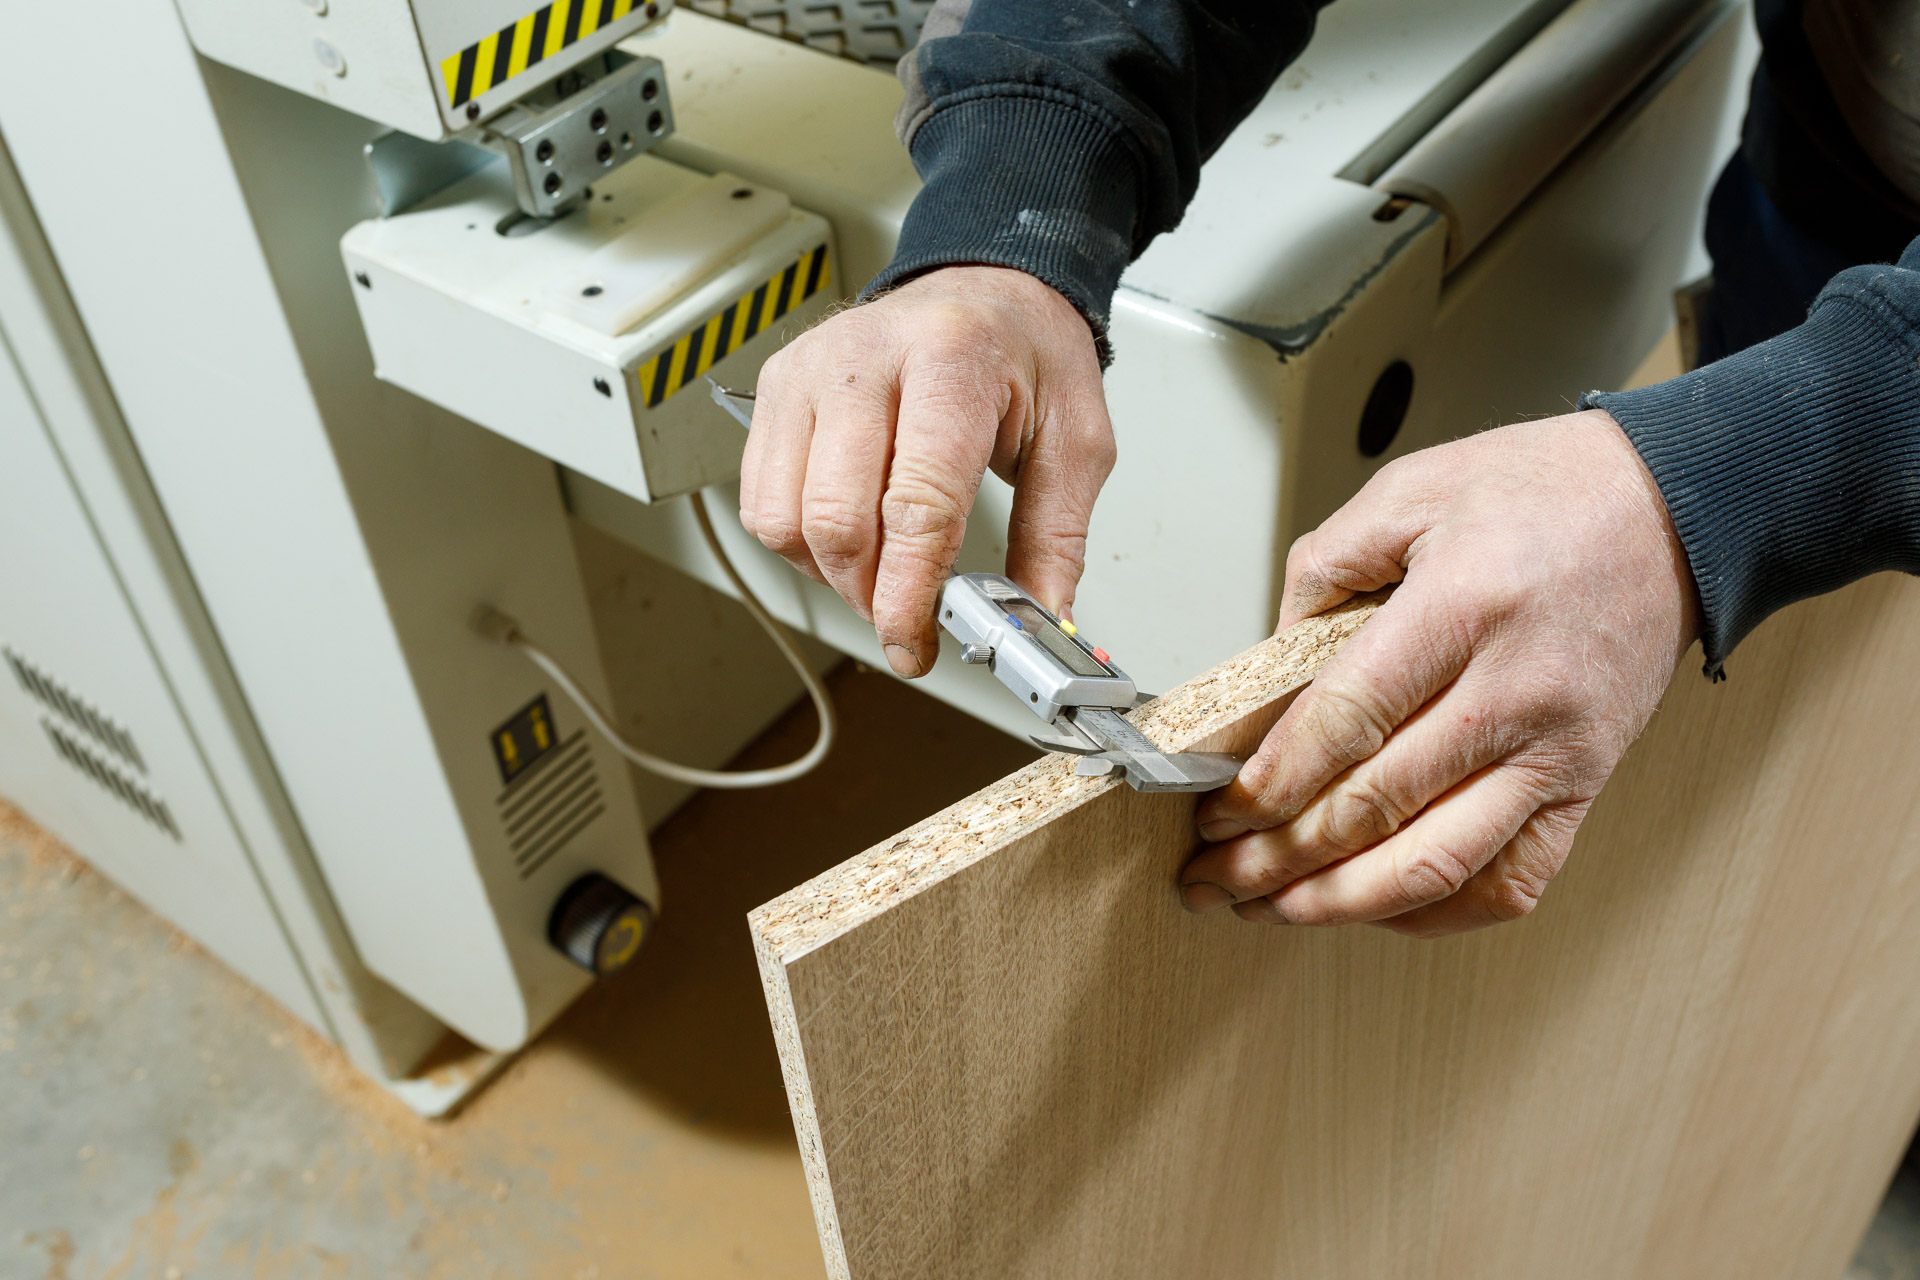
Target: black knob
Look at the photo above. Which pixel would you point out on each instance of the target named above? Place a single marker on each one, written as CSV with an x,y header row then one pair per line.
x,y
599,925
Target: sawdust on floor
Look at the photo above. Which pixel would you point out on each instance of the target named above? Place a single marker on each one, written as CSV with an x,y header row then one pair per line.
x,y
160,1120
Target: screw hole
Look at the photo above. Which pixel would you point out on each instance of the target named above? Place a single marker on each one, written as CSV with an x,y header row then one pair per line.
x,y
598,120
473,111
360,278
544,152
656,122
600,385
626,141
592,291
650,90
553,184
1386,409
1033,697
653,9
949,615
604,152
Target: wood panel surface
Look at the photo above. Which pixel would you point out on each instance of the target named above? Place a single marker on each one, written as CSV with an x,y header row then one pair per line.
x,y
1010,1053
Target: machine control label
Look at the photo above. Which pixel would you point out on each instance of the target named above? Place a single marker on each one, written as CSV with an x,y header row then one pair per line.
x,y
498,57
524,740
722,334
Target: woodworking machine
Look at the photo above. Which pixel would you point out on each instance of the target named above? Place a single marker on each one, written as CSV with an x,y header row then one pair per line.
x,y
401,304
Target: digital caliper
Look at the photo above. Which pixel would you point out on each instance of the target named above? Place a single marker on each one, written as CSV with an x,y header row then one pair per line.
x,y
1071,685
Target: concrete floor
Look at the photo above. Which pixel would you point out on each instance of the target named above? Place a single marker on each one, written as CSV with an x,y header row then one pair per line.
x,y
159,1120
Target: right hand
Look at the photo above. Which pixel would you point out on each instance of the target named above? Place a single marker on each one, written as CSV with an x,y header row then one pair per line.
x,y
871,433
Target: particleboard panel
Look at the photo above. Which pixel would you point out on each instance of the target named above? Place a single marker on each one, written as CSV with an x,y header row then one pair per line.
x,y
1010,1053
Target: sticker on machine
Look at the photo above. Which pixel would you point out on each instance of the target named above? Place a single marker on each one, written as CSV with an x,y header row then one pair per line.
x,y
725,332
529,40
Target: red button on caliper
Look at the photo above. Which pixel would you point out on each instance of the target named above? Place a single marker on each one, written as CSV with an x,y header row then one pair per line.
x,y
1101,654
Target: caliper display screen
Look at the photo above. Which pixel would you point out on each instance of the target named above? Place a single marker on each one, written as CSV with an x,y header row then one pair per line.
x,y
1053,640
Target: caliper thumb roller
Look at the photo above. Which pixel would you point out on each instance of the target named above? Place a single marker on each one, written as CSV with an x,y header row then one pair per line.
x,y
1073,687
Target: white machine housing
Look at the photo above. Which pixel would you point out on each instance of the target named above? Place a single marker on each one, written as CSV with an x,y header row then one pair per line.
x,y
589,338
1446,216
428,67
1564,151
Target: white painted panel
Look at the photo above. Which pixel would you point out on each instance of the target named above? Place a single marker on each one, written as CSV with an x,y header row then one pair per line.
x,y
91,743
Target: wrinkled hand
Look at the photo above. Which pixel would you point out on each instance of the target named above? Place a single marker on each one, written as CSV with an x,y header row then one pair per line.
x,y
1432,777
871,434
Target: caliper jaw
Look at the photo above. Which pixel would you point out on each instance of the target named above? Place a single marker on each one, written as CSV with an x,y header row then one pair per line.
x,y
1105,741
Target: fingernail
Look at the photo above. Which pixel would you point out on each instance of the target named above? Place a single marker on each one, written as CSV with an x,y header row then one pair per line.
x,y
901,659
1260,911
1201,897
1222,829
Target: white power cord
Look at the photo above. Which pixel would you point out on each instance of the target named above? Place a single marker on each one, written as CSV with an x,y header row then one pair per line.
x,y
495,625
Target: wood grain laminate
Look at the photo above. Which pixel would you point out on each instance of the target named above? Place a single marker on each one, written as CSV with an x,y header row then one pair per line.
x,y
1010,1053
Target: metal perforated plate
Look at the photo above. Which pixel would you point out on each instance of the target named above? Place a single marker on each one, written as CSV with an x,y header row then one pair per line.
x,y
876,32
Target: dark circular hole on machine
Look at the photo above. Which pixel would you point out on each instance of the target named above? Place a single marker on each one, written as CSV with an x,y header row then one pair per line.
x,y
598,119
1386,408
553,184
656,122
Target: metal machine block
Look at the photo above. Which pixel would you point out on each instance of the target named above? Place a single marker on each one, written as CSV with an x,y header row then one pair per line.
x,y
583,338
430,67
558,150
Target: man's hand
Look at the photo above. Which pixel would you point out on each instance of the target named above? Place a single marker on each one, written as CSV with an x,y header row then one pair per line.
x,y
1432,777
871,434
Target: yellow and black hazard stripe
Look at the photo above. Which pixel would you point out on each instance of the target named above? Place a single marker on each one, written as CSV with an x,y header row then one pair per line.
x,y
724,333
493,60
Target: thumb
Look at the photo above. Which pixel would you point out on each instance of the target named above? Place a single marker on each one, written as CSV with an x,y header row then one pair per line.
x,y
1053,499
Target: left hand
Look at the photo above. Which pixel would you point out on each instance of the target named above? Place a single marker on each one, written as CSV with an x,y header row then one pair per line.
x,y
1432,777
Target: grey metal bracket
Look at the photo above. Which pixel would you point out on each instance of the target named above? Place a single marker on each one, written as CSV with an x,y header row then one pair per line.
x,y
407,170
580,128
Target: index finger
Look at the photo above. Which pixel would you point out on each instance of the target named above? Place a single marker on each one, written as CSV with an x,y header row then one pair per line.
x,y
1405,655
942,441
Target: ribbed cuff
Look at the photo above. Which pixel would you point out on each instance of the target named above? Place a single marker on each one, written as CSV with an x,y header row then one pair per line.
x,y
1019,176
1791,468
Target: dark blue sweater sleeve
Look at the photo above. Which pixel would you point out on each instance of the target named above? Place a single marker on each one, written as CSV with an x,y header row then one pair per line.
x,y
1061,136
1793,467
